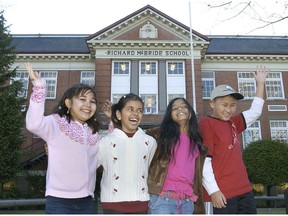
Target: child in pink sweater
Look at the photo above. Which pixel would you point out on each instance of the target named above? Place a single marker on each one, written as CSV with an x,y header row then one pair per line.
x,y
71,134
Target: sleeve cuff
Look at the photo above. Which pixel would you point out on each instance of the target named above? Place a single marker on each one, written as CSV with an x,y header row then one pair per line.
x,y
209,181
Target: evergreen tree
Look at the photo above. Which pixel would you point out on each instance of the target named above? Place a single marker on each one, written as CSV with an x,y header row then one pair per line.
x,y
11,117
266,162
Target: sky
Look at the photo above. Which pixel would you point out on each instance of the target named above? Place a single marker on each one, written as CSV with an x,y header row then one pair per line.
x,y
208,17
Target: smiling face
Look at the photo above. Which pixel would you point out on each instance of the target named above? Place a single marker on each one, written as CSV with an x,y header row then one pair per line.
x,y
130,116
82,107
180,112
223,107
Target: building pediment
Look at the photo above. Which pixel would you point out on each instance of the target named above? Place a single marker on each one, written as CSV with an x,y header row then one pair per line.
x,y
146,28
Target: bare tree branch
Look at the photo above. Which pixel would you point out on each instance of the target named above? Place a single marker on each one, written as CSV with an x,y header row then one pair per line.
x,y
248,4
268,24
216,6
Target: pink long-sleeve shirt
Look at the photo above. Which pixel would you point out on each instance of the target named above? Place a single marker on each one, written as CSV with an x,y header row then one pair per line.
x,y
72,148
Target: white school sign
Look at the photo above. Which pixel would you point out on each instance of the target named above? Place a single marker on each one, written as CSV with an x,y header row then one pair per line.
x,y
121,53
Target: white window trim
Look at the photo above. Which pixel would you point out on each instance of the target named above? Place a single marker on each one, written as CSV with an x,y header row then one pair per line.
x,y
56,81
251,129
208,79
145,108
25,88
176,61
271,109
150,61
279,129
275,79
123,61
248,80
87,78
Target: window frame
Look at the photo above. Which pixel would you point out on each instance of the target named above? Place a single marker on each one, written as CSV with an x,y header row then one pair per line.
x,y
273,79
246,84
284,129
153,68
153,109
116,67
172,96
24,80
209,79
87,80
252,128
181,71
48,86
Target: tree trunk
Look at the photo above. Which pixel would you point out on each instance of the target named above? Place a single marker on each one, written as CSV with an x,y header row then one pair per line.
x,y
1,190
269,202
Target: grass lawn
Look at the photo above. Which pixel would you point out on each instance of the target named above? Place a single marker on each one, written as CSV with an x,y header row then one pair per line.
x,y
271,211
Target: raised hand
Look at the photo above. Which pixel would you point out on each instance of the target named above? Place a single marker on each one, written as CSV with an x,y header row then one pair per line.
x,y
34,75
106,108
260,74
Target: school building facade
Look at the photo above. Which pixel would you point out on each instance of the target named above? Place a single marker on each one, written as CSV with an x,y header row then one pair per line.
x,y
149,53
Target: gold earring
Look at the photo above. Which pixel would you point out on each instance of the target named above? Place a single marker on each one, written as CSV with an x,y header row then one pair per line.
x,y
68,110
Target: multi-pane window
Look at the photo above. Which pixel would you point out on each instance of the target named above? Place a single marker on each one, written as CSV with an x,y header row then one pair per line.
x,y
150,103
148,85
274,85
120,79
148,67
252,133
23,77
88,77
51,83
175,78
246,84
116,98
121,67
171,96
208,83
175,67
279,130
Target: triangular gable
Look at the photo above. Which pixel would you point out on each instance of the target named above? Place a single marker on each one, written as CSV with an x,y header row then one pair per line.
x,y
149,25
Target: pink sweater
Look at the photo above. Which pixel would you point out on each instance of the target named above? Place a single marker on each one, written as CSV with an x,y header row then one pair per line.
x,y
72,150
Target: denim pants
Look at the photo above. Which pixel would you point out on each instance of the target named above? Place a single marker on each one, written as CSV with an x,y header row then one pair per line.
x,y
167,205
55,205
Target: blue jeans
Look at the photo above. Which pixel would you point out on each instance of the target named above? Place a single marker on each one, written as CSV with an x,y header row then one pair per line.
x,y
167,205
55,205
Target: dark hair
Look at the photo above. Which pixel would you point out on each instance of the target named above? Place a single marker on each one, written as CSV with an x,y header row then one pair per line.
x,y
170,132
120,105
76,90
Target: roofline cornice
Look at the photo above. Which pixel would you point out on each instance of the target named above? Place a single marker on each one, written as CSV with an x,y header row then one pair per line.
x,y
246,57
40,56
158,43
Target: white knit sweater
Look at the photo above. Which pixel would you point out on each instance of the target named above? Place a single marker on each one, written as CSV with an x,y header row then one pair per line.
x,y
126,162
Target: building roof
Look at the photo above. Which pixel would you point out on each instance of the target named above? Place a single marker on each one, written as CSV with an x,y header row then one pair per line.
x,y
239,45
248,45
50,44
